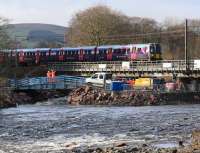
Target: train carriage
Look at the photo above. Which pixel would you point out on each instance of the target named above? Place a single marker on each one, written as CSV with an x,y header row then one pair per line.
x,y
104,53
53,54
89,53
120,52
5,56
70,54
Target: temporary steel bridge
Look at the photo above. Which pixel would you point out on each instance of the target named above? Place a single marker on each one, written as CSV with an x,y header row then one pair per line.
x,y
180,68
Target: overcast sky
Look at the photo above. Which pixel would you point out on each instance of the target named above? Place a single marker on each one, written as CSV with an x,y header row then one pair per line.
x,y
59,12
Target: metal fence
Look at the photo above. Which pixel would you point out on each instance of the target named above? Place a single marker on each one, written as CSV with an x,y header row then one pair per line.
x,y
42,83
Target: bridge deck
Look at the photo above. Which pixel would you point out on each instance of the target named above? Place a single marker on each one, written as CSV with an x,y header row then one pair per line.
x,y
147,68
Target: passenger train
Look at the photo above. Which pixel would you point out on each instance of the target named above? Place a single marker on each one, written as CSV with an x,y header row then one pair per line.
x,y
131,52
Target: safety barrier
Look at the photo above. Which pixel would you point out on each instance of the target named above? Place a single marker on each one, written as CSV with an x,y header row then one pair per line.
x,y
44,83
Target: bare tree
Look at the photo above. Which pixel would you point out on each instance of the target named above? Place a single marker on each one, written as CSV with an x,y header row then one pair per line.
x,y
97,25
5,41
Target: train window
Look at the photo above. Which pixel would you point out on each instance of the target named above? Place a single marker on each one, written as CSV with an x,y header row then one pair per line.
x,y
97,52
158,48
152,49
123,51
92,52
139,50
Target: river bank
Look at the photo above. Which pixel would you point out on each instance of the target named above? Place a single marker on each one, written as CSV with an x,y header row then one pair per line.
x,y
9,98
88,95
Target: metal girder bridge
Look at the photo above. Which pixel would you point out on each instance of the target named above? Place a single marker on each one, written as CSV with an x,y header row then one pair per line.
x,y
178,68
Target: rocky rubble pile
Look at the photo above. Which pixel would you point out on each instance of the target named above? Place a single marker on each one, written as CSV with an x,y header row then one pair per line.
x,y
143,148
6,99
88,95
126,149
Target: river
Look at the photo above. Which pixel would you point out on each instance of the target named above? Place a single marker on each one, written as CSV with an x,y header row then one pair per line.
x,y
49,127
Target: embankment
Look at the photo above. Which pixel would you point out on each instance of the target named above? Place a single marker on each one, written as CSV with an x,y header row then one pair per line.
x,y
6,99
9,98
95,96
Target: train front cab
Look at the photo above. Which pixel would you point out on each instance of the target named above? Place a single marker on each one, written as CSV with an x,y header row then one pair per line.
x,y
155,52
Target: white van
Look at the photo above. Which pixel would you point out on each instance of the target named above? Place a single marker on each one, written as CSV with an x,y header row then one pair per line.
x,y
97,79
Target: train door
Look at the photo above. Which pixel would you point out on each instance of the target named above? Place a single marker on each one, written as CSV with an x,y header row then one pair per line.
x,y
13,56
109,54
48,56
81,55
61,55
37,57
133,54
93,54
21,57
128,53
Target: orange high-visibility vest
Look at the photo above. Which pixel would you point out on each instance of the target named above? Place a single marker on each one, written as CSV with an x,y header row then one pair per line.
x,y
49,74
53,74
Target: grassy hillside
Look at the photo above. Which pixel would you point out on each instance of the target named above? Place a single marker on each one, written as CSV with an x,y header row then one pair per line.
x,y
31,34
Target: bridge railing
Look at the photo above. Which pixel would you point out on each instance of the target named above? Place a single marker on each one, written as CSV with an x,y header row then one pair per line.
x,y
146,66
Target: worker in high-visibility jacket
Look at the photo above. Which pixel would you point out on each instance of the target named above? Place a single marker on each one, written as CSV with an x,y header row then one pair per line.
x,y
49,76
53,75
